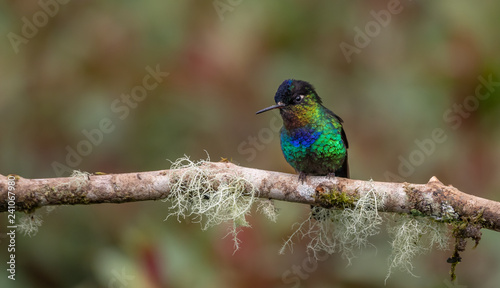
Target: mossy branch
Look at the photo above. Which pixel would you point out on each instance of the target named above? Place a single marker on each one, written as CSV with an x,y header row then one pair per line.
x,y
433,199
346,210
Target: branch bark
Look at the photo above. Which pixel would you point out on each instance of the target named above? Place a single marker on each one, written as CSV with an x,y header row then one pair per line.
x,y
433,199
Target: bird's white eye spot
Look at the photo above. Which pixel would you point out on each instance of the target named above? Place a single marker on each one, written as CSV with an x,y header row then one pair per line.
x,y
298,99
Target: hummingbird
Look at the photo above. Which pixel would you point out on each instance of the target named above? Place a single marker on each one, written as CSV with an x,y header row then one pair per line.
x,y
313,140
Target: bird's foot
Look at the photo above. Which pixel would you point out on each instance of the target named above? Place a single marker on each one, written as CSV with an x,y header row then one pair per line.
x,y
302,177
331,175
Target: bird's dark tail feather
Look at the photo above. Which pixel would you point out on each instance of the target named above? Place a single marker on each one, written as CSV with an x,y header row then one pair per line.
x,y
344,170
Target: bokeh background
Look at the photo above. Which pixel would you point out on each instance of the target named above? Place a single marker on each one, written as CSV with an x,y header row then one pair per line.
x,y
225,60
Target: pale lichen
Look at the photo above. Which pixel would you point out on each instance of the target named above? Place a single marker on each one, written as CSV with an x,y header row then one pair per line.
x,y
413,236
267,207
210,197
28,225
342,231
79,179
447,214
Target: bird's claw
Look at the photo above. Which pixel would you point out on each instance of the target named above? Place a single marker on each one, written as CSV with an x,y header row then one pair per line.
x,y
302,177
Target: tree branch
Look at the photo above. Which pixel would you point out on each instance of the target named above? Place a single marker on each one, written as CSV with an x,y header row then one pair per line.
x,y
434,199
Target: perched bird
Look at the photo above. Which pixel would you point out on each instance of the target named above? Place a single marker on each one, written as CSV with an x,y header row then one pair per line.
x,y
313,140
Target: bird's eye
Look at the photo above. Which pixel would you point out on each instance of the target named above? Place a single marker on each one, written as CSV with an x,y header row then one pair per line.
x,y
298,99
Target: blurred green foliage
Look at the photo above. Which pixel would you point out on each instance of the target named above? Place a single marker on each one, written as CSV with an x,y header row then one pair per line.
x,y
224,65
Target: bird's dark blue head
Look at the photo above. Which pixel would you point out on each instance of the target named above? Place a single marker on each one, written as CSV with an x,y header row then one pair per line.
x,y
290,90
293,93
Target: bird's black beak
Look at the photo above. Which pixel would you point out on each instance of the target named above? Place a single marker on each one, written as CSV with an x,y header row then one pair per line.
x,y
277,106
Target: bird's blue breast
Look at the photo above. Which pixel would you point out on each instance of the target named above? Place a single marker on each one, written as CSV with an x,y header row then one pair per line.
x,y
304,137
